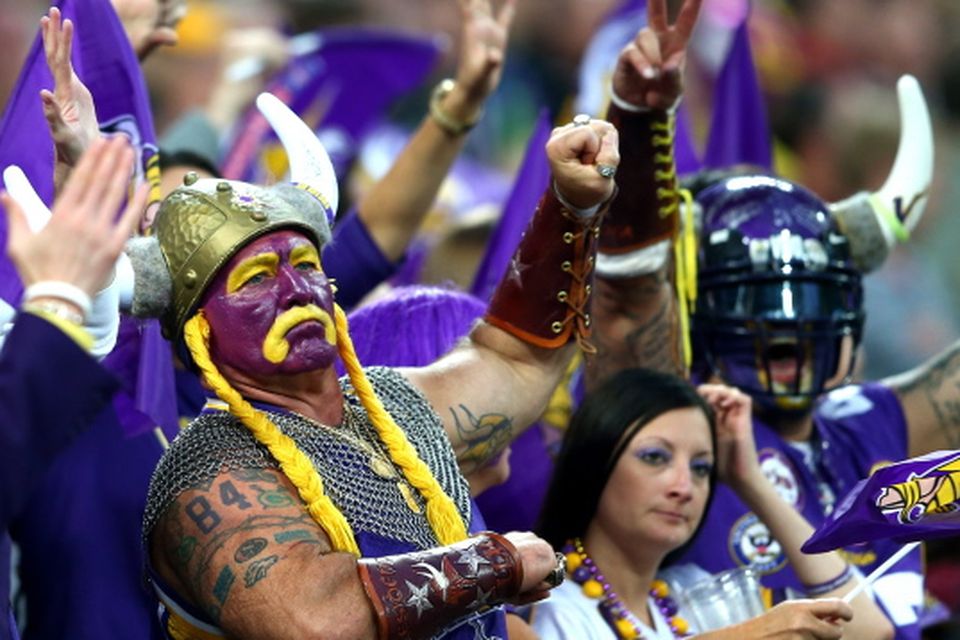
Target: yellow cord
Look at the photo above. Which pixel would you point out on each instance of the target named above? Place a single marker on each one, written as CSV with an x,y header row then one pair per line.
x,y
685,253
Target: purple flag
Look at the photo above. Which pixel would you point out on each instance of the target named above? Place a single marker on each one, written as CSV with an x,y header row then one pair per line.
x,y
739,133
341,90
105,62
915,499
532,179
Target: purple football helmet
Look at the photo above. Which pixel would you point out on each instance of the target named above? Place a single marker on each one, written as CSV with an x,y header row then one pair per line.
x,y
779,311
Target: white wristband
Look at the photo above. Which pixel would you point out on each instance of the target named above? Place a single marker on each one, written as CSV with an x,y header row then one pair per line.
x,y
583,214
62,290
632,108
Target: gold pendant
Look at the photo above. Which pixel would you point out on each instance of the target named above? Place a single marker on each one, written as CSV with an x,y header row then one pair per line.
x,y
382,468
408,496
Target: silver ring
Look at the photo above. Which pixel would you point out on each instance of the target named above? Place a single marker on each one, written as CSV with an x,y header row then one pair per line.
x,y
555,577
581,119
606,170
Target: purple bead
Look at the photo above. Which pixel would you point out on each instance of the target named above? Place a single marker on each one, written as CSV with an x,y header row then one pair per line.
x,y
668,607
581,575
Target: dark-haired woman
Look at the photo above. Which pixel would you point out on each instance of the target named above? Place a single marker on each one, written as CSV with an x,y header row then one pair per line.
x,y
630,487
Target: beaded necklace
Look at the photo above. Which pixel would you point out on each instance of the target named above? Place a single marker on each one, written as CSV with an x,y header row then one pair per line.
x,y
583,570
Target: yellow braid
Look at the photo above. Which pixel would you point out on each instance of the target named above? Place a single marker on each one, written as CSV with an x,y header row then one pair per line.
x,y
293,462
441,511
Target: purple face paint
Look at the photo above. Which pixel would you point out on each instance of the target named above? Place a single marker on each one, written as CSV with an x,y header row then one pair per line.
x,y
268,277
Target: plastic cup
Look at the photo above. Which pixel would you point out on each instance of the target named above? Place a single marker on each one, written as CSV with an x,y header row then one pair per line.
x,y
723,599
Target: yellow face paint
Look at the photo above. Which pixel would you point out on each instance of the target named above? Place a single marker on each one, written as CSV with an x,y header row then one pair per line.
x,y
264,263
275,345
305,254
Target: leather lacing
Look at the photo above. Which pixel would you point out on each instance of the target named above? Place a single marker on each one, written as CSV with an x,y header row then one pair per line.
x,y
666,171
581,279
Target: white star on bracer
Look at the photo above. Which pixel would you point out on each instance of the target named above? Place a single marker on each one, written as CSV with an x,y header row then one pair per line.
x,y
418,597
483,597
441,581
472,559
515,270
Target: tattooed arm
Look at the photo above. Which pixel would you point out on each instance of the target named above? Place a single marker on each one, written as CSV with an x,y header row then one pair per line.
x,y
488,390
500,380
635,309
243,549
637,326
930,397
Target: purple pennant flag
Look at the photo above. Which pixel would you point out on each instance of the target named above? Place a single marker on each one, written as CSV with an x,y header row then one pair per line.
x,y
916,499
341,89
532,179
106,63
739,133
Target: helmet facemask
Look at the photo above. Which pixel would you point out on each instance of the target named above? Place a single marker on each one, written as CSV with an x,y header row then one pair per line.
x,y
779,310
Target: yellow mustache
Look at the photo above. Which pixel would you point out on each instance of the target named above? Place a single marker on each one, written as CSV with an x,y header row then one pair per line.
x,y
275,345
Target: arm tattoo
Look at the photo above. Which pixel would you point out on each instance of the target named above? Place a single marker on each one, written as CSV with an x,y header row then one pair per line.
x,y
938,383
636,328
249,549
257,571
202,514
239,527
484,436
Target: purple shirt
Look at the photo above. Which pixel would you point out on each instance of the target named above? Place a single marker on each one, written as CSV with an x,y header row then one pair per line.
x,y
354,260
39,419
856,428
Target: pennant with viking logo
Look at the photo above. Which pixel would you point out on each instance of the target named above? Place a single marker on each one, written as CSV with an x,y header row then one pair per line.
x,y
915,499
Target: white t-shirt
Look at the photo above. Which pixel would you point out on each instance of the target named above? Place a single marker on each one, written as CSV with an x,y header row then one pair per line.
x,y
568,614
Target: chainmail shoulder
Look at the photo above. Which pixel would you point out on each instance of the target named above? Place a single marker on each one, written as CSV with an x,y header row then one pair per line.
x,y
350,458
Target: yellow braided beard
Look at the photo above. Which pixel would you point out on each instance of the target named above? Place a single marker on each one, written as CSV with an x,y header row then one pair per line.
x,y
275,345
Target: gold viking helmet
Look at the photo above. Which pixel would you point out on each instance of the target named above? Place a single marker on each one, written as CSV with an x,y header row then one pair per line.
x,y
202,224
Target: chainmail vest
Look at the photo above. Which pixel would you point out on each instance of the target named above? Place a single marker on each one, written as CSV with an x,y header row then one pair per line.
x,y
349,458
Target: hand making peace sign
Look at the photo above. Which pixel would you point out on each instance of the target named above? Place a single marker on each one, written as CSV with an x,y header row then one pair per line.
x,y
649,71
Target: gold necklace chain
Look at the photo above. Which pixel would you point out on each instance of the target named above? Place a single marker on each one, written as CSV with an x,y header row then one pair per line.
x,y
378,459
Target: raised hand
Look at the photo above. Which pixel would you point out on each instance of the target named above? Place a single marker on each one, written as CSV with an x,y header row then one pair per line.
x,y
583,156
84,237
483,48
69,109
649,71
736,452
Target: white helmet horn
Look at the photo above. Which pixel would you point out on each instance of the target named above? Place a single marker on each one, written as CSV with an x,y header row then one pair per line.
x,y
874,222
310,165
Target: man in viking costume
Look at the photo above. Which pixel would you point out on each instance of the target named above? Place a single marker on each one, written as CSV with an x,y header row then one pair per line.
x,y
299,506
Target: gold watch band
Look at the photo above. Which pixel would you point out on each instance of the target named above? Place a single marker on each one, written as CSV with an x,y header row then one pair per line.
x,y
445,121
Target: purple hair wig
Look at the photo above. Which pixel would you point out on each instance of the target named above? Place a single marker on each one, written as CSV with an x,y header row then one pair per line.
x,y
413,326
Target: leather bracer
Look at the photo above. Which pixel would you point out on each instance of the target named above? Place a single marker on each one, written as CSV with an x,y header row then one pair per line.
x,y
417,594
544,297
645,212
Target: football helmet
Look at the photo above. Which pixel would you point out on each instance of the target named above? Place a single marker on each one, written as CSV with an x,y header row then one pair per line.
x,y
779,310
